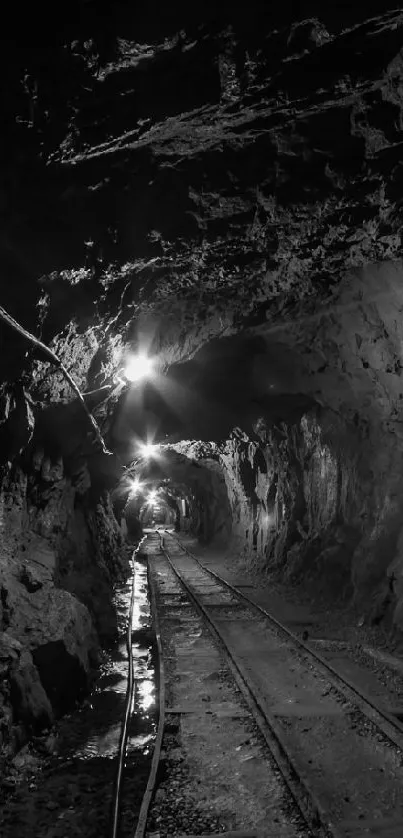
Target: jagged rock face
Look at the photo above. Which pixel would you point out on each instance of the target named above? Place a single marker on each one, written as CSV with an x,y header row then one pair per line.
x,y
303,508
232,165
208,174
296,499
205,173
61,552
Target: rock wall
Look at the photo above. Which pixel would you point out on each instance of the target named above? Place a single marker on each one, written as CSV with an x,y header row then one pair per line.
x,y
315,502
210,511
288,489
61,552
195,472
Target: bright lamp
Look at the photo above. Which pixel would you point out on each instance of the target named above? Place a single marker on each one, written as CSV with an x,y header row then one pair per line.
x,y
138,367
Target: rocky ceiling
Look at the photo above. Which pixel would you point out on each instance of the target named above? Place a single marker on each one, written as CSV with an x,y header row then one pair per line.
x,y
219,186
219,169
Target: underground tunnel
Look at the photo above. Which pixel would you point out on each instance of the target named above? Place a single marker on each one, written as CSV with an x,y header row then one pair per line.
x,y
201,420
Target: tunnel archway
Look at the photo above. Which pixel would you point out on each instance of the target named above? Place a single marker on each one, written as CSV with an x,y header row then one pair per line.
x,y
157,512
260,272
191,491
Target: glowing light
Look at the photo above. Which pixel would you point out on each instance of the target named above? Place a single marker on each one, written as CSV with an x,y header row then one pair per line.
x,y
152,496
135,486
138,367
148,448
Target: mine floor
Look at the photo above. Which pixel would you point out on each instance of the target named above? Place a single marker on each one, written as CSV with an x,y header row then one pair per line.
x,y
216,774
351,769
365,654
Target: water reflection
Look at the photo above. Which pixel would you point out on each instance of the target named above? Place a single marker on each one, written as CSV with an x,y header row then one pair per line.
x,y
146,695
143,660
102,714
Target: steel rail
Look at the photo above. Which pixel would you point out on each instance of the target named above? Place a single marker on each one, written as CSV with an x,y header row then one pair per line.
x,y
150,788
310,808
128,704
363,697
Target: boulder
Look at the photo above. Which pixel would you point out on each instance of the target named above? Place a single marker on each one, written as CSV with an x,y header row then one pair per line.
x,y
30,703
22,688
54,644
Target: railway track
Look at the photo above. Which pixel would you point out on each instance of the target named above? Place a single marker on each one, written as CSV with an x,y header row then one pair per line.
x,y
340,754
125,807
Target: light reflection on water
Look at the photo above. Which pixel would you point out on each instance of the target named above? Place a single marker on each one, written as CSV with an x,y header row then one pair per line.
x,y
105,708
147,695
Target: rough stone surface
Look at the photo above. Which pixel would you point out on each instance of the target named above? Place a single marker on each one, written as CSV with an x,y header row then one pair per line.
x,y
296,500
251,157
30,703
53,525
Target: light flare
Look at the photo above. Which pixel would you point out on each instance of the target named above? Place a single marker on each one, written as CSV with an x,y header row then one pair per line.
x,y
136,486
138,367
147,449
